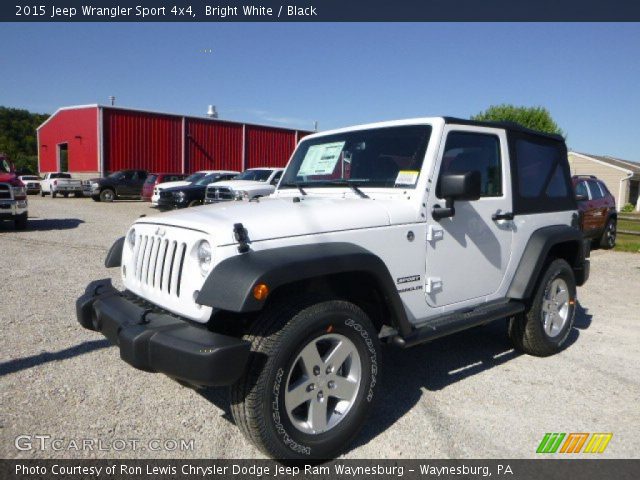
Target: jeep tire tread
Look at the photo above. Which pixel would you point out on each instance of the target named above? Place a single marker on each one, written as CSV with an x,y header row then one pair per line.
x,y
277,337
526,330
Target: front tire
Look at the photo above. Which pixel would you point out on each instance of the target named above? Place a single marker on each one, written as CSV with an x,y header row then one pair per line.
x,y
53,194
194,203
107,195
544,328
608,239
310,379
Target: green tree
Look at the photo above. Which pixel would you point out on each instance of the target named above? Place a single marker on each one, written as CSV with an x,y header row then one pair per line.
x,y
535,118
18,137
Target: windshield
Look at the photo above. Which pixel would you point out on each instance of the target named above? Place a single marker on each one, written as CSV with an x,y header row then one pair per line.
x,y
207,179
255,175
116,175
194,177
388,157
30,177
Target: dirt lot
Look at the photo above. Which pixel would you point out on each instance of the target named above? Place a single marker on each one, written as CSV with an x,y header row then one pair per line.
x,y
469,395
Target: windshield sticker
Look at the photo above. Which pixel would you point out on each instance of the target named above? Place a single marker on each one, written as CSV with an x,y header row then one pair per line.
x,y
407,177
321,159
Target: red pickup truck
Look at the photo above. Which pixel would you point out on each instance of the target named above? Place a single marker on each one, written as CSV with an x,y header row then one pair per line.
x,y
13,197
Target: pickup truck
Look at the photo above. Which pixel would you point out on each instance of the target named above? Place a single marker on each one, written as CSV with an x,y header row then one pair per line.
x,y
398,232
120,184
13,198
250,184
56,183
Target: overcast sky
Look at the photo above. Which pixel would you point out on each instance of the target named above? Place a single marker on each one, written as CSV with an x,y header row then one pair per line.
x,y
587,75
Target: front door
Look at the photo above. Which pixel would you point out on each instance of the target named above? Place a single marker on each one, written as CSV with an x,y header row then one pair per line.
x,y
468,254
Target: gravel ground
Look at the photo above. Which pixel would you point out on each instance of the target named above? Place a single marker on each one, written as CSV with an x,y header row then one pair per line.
x,y
469,395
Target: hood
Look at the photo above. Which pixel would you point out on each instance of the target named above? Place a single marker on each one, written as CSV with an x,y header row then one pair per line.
x,y
178,183
240,184
7,177
282,217
184,188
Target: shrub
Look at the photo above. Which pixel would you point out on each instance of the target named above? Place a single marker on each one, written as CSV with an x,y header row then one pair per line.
x,y
628,208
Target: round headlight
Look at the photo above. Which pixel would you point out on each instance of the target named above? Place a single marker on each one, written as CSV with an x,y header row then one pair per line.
x,y
131,238
204,256
241,194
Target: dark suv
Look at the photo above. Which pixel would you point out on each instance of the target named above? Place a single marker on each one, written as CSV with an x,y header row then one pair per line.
x,y
121,184
597,207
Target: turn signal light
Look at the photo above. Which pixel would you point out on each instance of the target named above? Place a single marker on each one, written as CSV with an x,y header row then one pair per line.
x,y
260,291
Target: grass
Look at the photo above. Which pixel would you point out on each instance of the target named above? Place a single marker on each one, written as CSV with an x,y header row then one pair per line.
x,y
631,225
627,243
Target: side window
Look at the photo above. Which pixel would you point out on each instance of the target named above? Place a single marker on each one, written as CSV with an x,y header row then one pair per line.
x,y
596,193
127,175
276,178
581,189
466,151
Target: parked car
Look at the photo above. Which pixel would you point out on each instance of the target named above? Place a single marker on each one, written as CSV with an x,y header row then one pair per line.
x,y
398,232
252,183
597,208
13,198
190,195
31,183
60,183
155,179
120,184
187,181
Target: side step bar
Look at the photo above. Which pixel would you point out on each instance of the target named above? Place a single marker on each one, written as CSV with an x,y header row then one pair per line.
x,y
456,322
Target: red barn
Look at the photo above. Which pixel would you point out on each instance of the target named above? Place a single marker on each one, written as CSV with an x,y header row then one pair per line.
x,y
90,140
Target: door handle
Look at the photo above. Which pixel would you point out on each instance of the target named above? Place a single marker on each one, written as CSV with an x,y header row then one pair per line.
x,y
502,216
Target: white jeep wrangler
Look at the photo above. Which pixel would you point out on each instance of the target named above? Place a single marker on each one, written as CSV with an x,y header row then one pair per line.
x,y
398,232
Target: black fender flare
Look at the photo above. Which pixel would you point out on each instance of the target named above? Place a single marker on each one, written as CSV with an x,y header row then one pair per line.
x,y
535,255
230,284
114,256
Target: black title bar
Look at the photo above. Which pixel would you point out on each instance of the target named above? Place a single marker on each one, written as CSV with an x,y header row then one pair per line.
x,y
321,11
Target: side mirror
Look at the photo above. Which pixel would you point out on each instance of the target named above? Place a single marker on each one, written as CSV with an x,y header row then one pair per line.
x,y
580,197
456,186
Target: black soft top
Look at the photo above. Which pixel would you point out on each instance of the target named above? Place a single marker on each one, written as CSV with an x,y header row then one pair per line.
x,y
513,126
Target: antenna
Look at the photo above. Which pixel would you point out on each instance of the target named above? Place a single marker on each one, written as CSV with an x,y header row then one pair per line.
x,y
315,126
211,112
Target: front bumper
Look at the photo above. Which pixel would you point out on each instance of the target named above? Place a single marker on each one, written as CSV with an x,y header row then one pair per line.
x,y
10,209
154,341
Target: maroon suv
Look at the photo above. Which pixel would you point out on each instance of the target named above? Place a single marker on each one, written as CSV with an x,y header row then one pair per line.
x,y
597,207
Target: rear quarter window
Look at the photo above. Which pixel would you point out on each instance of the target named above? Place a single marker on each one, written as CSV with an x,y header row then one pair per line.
x,y
540,174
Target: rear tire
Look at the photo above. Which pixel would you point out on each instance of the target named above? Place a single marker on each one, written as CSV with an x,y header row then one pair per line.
x,y
608,238
107,195
293,401
544,328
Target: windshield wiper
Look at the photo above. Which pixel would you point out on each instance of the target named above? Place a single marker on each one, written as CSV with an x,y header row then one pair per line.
x,y
295,185
351,185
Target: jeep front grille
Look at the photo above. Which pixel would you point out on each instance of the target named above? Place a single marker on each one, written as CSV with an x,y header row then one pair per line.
x,y
219,193
5,191
159,262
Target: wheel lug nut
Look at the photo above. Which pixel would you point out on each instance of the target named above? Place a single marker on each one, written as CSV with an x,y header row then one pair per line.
x,y
320,396
316,370
331,384
311,387
329,369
